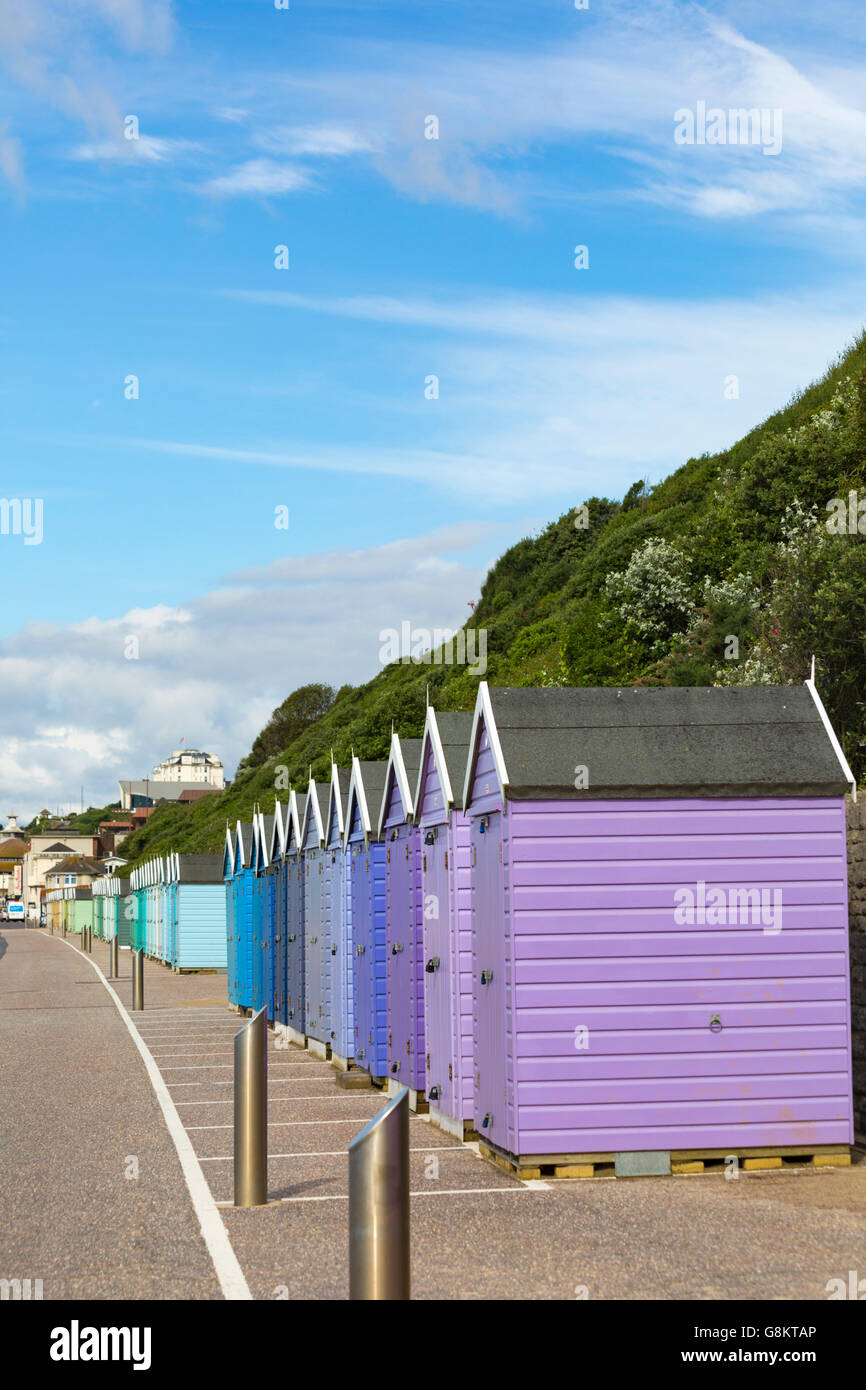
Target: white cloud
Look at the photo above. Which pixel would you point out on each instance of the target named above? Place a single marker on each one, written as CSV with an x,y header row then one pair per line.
x,y
80,712
555,397
315,139
260,177
149,149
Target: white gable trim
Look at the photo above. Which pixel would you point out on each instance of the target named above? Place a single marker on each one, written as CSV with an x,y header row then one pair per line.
x,y
357,793
278,832
395,762
293,822
313,809
433,738
484,710
335,795
837,747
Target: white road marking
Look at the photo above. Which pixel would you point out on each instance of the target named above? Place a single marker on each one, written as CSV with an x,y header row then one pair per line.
x,y
214,1233
440,1192
333,1153
281,1100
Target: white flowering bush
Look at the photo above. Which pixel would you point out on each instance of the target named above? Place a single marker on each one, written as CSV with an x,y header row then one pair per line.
x,y
653,593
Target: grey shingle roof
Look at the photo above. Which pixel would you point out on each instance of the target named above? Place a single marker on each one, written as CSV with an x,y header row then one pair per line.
x,y
651,741
200,868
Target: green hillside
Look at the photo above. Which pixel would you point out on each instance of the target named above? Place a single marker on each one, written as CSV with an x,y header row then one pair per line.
x,y
725,573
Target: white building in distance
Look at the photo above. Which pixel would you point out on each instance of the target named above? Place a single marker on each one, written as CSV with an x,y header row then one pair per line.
x,y
190,766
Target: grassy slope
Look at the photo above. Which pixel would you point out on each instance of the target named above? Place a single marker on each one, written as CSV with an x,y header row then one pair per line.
x,y
540,590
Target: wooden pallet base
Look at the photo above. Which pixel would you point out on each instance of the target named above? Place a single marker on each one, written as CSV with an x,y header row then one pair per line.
x,y
683,1162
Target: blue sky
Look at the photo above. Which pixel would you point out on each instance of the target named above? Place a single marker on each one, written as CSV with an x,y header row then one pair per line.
x,y
305,387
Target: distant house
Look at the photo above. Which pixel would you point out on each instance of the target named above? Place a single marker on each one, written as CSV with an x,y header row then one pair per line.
x,y
188,765
45,852
196,793
135,795
75,871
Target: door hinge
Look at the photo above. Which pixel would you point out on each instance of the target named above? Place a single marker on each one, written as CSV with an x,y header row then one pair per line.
x,y
450,1072
446,859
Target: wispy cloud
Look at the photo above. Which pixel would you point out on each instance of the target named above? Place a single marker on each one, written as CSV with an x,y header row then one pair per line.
x,y
147,149
316,140
258,178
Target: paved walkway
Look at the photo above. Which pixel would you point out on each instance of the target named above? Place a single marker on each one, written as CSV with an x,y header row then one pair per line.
x,y
477,1233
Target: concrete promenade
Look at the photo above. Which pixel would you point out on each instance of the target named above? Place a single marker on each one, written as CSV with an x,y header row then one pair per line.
x,y
81,1117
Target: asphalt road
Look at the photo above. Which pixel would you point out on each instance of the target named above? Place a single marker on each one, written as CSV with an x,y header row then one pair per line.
x,y
79,1101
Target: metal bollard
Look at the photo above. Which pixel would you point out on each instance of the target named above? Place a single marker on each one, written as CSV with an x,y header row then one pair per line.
x,y
379,1205
138,980
113,958
251,1112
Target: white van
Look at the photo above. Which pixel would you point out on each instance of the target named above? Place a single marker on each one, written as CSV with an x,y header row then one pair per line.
x,y
15,912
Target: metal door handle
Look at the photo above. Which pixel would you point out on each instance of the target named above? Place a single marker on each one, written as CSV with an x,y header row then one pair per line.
x,y
432,964
486,976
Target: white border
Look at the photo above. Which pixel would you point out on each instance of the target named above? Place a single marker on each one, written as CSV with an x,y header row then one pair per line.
x,y
483,707
837,747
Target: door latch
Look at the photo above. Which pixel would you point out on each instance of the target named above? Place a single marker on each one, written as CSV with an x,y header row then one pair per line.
x,y
488,1120
396,948
486,976
715,1024
432,964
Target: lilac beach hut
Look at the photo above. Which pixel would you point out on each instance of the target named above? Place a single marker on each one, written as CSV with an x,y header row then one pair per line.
x,y
404,935
660,940
447,919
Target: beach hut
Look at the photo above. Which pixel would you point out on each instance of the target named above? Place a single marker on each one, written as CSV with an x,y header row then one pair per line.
x,y
125,912
295,816
276,855
367,887
230,882
98,889
118,896
243,911
447,918
659,925
81,909
195,931
317,948
339,927
262,914
405,939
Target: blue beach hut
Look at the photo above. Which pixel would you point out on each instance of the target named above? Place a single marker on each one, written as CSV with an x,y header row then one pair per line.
x,y
366,870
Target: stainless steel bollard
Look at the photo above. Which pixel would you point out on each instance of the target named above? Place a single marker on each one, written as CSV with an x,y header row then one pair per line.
x,y
113,958
251,1112
379,1205
138,980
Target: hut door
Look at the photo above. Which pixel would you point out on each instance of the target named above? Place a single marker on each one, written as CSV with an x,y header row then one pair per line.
x,y
400,957
488,967
441,1062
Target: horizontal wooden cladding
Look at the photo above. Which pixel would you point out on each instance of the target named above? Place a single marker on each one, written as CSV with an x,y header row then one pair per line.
x,y
629,971
555,1037
627,822
642,1115
744,1065
635,1018
717,1132
593,948
787,874
539,899
632,994
542,1100
607,916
